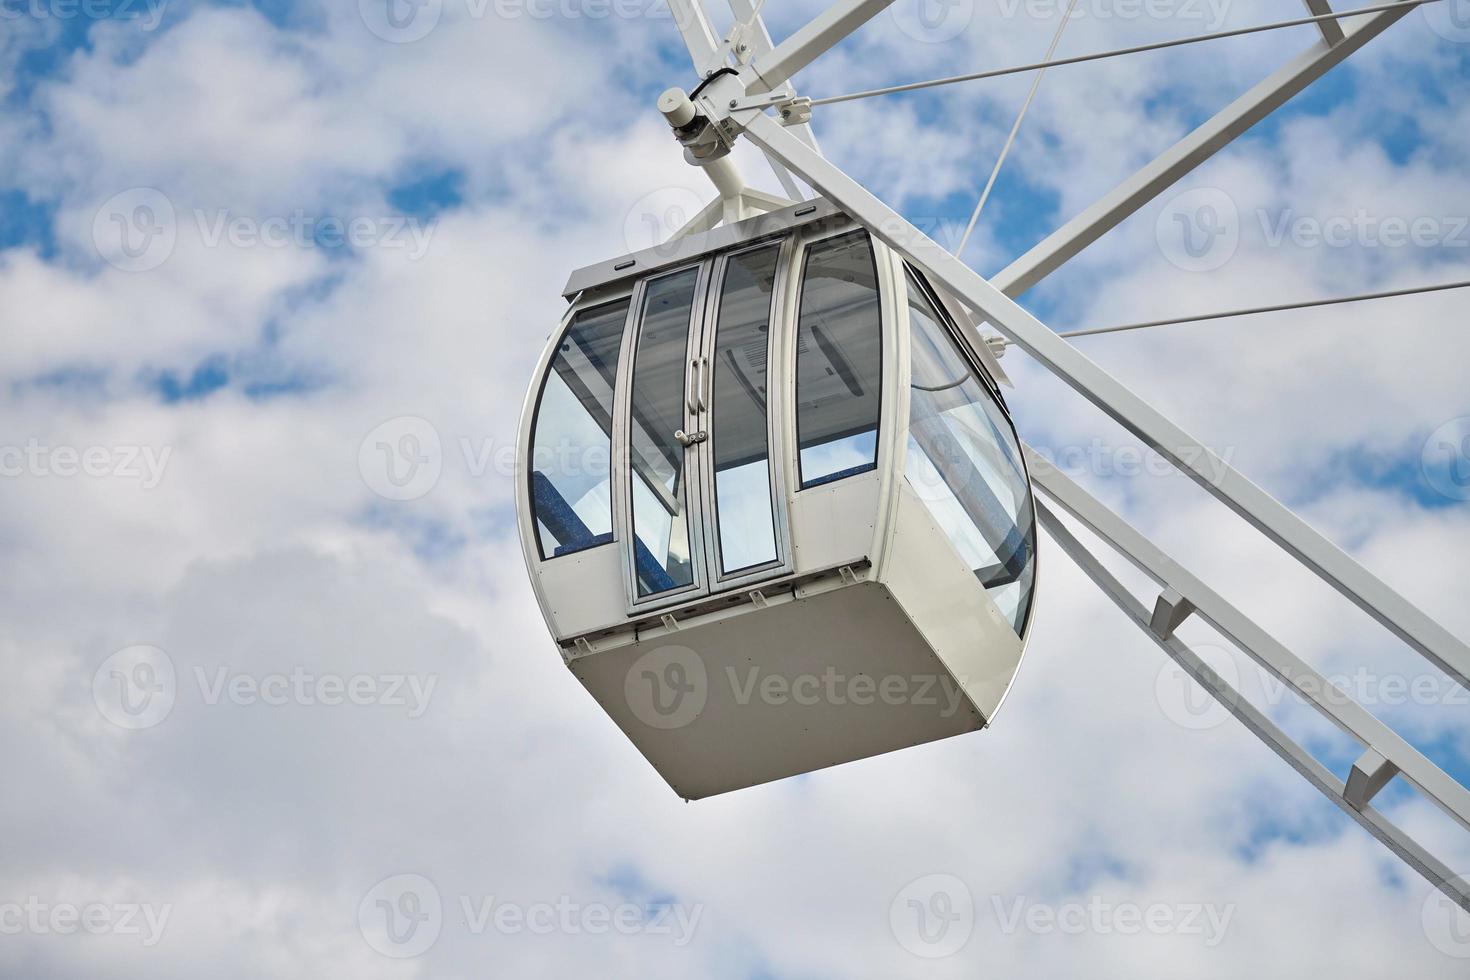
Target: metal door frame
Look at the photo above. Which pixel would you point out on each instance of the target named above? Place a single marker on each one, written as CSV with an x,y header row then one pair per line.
x,y
776,376
624,527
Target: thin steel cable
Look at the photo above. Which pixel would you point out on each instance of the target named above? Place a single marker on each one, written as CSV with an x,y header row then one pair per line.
x,y
1118,52
1252,311
1015,128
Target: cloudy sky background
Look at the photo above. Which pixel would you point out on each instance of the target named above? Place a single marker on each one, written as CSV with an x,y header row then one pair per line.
x,y
487,158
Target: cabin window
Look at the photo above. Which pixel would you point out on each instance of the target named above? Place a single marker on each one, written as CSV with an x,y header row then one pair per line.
x,y
964,462
659,495
745,511
838,361
571,450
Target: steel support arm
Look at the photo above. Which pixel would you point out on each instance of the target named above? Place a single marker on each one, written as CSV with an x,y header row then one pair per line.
x,y
1330,701
1172,165
1331,29
1435,871
760,43
1206,468
694,27
812,41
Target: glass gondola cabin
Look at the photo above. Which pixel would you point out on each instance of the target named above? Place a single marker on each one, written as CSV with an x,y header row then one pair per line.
x,y
772,504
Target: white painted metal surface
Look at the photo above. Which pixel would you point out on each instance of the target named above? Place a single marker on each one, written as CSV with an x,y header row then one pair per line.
x,y
868,583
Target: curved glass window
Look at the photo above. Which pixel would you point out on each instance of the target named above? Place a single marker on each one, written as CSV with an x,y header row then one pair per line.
x,y
744,511
965,464
571,451
663,560
839,363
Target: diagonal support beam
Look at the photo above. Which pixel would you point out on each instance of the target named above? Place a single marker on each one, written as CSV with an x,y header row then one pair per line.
x,y
1189,455
1187,591
1392,836
1172,165
823,32
760,43
1331,29
694,27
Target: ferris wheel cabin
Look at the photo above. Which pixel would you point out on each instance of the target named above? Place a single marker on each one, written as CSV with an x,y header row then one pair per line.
x,y
773,507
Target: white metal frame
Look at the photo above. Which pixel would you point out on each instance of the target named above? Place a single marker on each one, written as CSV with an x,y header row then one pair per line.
x,y
737,104
693,491
775,410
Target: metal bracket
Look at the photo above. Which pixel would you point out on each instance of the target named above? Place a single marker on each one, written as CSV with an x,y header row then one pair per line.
x,y
737,42
765,100
794,110
798,112
1170,609
1370,774
670,623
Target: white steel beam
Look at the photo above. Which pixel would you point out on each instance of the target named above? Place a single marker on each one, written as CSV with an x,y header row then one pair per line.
x,y
1354,801
1172,165
1331,29
1259,508
812,41
1328,699
695,28
759,40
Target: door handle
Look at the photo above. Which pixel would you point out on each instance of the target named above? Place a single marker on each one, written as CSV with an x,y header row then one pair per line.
x,y
699,387
691,386
687,439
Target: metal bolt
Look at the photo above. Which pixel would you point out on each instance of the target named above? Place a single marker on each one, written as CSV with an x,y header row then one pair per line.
x,y
733,103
